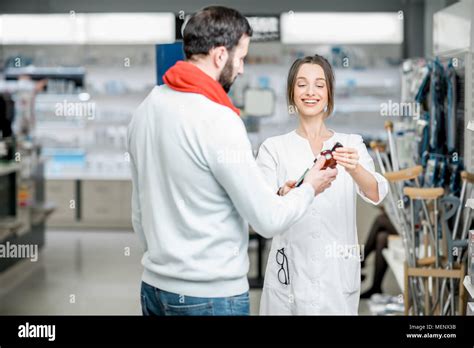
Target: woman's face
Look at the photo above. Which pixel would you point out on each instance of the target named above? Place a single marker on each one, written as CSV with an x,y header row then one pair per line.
x,y
310,90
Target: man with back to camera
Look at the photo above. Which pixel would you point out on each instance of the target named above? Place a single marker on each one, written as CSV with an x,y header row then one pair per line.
x,y
195,181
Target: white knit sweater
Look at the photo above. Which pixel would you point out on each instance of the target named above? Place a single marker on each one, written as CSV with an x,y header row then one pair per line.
x,y
196,186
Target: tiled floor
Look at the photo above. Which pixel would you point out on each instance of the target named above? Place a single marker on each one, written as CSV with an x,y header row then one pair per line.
x,y
88,272
80,272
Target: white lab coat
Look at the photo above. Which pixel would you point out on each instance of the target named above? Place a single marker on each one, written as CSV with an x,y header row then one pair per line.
x,y
321,248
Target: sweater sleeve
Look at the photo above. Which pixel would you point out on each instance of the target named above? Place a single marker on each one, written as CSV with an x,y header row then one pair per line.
x,y
268,165
136,206
232,163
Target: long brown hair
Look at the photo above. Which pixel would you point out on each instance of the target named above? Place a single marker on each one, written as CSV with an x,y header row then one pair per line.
x,y
328,72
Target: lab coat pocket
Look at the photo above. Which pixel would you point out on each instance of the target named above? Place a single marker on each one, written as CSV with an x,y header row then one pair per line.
x,y
350,274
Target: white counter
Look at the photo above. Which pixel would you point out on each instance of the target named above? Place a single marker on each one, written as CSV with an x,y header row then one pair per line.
x,y
89,175
7,168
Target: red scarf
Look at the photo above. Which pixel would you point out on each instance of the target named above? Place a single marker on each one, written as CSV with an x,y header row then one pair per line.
x,y
186,77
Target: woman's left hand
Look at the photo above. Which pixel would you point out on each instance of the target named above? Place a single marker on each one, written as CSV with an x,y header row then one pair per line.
x,y
347,157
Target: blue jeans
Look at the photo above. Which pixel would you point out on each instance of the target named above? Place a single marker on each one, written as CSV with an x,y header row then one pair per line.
x,y
159,302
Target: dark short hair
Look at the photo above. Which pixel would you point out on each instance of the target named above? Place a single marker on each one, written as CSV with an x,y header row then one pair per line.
x,y
328,72
214,26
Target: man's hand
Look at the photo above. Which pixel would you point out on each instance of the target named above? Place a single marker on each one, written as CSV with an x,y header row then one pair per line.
x,y
320,179
289,185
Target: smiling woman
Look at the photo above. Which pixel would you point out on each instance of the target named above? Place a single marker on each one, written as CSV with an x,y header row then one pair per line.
x,y
299,79
317,280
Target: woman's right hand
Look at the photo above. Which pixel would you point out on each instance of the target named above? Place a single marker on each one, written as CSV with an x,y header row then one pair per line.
x,y
320,179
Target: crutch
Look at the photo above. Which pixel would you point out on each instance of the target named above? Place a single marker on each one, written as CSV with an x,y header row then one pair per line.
x,y
395,178
449,206
391,144
467,179
410,252
394,155
425,194
395,165
380,153
393,212
398,178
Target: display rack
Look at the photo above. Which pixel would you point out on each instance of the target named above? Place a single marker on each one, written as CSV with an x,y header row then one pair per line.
x,y
24,209
437,145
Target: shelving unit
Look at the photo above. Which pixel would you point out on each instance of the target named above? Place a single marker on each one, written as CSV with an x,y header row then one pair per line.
x,y
89,203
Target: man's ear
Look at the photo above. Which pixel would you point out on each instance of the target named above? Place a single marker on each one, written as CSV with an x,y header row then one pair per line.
x,y
219,56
